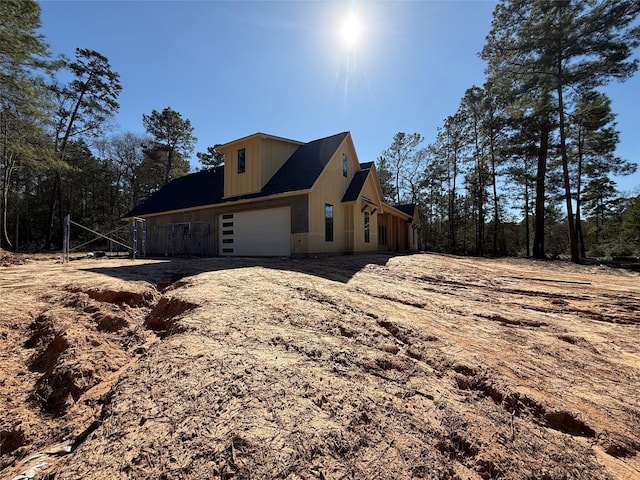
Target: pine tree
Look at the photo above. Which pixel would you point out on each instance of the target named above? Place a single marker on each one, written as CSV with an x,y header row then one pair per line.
x,y
569,44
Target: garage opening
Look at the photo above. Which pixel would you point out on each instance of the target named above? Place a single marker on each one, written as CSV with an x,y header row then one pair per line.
x,y
263,233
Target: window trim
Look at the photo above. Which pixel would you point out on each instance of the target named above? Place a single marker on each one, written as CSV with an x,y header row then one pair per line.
x,y
242,161
328,222
367,226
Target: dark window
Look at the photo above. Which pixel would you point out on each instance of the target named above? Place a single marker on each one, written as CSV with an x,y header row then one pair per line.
x,y
227,240
328,222
241,161
227,250
226,216
367,227
344,164
382,235
227,224
227,232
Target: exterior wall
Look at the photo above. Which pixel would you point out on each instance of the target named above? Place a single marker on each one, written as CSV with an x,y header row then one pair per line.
x,y
383,221
400,234
360,244
349,229
299,207
369,191
412,236
196,232
263,157
401,228
181,233
329,189
273,154
249,181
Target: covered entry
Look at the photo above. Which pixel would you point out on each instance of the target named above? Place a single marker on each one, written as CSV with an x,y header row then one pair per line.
x,y
265,232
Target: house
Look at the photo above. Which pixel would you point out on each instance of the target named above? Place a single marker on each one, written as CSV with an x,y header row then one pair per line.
x,y
277,197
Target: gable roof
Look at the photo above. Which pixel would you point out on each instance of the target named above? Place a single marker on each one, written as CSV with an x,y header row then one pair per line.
x,y
260,135
355,187
407,208
193,190
199,189
304,166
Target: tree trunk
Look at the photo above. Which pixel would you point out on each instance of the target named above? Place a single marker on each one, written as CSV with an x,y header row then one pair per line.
x,y
495,198
52,210
452,208
168,165
579,234
6,178
538,228
573,244
527,232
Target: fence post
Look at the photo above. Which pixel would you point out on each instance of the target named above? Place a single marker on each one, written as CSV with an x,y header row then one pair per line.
x,y
65,239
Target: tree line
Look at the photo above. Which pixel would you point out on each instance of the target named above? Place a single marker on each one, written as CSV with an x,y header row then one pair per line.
x,y
523,167
58,153
525,164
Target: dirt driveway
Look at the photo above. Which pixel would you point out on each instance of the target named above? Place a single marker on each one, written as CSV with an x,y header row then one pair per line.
x,y
355,367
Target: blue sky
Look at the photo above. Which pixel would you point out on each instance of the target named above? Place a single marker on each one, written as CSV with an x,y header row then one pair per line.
x,y
283,68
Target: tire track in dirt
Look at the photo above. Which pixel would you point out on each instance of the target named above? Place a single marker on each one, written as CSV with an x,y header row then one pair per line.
x,y
281,372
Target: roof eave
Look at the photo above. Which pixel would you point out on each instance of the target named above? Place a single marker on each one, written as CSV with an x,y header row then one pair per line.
x,y
259,135
223,204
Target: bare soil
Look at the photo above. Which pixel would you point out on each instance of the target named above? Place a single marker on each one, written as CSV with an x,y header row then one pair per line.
x,y
360,367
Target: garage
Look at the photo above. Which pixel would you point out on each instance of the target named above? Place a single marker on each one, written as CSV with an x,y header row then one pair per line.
x,y
265,233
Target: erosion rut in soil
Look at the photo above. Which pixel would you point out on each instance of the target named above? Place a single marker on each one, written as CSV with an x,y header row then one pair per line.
x,y
373,366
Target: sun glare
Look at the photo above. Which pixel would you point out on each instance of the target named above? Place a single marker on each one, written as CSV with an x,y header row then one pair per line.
x,y
351,30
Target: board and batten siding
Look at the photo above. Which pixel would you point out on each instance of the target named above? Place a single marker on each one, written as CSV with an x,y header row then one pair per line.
x,y
369,191
329,189
263,157
274,154
241,183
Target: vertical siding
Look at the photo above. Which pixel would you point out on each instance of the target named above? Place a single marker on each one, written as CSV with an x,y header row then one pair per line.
x,y
369,191
263,158
195,237
349,234
274,154
249,181
330,188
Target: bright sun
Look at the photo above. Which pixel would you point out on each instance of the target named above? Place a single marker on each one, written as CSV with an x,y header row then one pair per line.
x,y
351,30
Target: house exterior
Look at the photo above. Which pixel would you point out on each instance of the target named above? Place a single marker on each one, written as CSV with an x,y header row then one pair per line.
x,y
277,197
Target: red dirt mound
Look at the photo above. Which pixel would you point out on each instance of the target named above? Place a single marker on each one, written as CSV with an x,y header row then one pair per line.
x,y
8,258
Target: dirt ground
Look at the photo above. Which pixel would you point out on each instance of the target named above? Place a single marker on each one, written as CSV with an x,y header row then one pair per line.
x,y
354,367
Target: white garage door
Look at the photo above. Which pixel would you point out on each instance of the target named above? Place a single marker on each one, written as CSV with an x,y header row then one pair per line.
x,y
257,232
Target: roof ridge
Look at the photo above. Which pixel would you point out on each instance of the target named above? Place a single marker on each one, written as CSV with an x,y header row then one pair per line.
x,y
328,137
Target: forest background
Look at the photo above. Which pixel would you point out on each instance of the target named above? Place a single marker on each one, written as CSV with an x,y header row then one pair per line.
x,y
525,166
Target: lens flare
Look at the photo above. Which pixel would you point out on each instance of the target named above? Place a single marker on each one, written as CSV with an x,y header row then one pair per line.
x,y
351,31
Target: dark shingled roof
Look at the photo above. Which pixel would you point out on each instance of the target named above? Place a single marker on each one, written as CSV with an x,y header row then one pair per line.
x,y
407,208
366,166
355,187
193,190
299,172
304,166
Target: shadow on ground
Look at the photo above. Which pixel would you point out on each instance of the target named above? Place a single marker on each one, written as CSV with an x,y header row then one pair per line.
x,y
166,271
